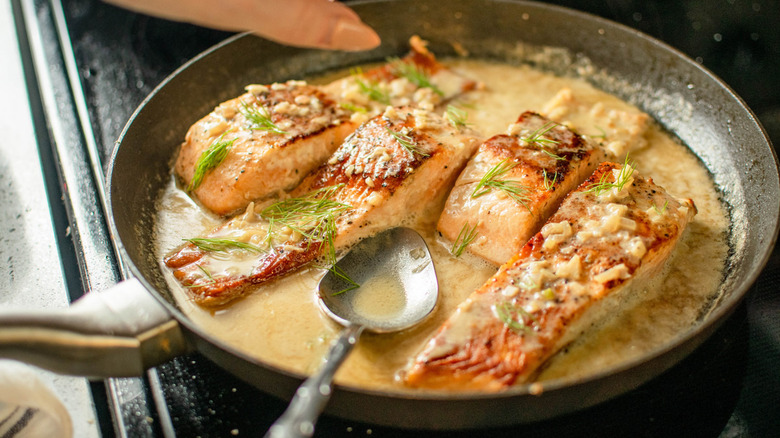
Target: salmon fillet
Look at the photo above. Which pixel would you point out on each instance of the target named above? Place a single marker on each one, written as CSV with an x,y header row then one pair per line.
x,y
514,183
417,79
391,169
615,230
618,127
271,136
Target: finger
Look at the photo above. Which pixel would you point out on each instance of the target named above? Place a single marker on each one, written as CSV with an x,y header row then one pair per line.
x,y
306,23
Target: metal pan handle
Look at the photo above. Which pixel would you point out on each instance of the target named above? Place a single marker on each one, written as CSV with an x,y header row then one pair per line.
x,y
120,332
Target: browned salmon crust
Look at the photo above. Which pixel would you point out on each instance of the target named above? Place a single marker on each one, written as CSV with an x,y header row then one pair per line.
x,y
392,168
418,79
566,278
262,161
543,161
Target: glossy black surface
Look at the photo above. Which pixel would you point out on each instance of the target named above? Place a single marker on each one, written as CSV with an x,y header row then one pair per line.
x,y
729,387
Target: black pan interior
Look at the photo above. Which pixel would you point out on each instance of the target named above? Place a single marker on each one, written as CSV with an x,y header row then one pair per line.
x,y
684,98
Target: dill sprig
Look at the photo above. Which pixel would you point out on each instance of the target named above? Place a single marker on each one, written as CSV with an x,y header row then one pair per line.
x,y
259,119
602,135
511,188
549,184
206,273
621,179
370,88
661,210
352,107
414,74
538,137
515,317
343,276
209,159
407,143
312,215
456,116
465,237
221,245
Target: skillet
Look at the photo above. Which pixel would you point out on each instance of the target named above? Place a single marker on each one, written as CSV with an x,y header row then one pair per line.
x,y
139,325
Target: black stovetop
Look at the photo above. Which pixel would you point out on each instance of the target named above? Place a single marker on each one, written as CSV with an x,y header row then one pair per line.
x,y
729,387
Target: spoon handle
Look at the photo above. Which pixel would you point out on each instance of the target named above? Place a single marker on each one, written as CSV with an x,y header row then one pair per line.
x,y
312,396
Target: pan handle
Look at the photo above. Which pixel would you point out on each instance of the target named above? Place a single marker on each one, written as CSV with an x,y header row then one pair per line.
x,y
120,332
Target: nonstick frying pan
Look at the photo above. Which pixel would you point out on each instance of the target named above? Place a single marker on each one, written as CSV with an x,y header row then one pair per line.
x,y
138,325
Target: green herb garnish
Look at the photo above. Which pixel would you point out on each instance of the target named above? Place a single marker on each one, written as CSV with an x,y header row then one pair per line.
x,y
407,143
537,137
549,184
352,107
602,135
370,88
465,237
206,273
511,188
210,159
339,273
456,116
515,317
620,180
414,74
259,119
222,245
661,210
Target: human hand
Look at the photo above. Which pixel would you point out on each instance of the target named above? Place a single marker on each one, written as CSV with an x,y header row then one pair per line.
x,y
306,23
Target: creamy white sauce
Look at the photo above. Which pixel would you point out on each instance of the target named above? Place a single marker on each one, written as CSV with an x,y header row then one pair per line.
x,y
281,324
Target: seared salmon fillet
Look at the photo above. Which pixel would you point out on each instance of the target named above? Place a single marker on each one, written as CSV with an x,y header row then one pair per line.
x,y
615,230
390,170
418,79
269,138
618,127
514,183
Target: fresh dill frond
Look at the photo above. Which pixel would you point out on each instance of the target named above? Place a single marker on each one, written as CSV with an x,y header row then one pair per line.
x,y
549,184
259,119
221,245
511,188
456,116
661,210
343,276
370,88
602,135
621,179
414,74
209,159
206,273
538,137
312,215
407,143
352,107
515,317
465,237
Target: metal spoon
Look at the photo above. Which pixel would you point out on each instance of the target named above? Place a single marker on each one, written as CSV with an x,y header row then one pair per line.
x,y
398,289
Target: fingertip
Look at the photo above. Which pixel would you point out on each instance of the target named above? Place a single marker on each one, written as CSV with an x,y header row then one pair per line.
x,y
353,35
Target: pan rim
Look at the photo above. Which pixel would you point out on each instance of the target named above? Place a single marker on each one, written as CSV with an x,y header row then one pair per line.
x,y
711,322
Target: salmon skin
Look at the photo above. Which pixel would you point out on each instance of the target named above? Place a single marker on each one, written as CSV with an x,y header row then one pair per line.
x,y
390,170
274,135
615,230
514,183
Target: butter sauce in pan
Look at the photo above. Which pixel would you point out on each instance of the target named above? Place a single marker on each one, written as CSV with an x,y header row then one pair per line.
x,y
280,324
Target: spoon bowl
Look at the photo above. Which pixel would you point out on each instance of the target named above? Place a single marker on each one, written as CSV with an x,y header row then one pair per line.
x,y
386,283
398,286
